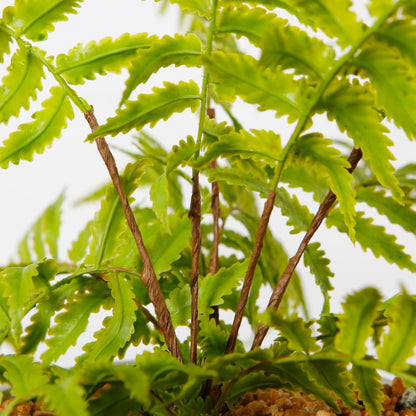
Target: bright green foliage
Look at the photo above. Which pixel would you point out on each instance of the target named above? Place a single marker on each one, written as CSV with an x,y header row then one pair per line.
x,y
275,91
369,387
356,75
393,81
374,237
254,23
117,328
355,324
35,18
317,150
83,62
398,344
150,108
65,397
24,77
290,48
318,265
353,110
36,136
179,50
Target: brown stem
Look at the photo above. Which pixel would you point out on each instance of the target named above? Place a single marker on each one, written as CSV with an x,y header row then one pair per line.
x,y
284,280
195,217
148,274
258,245
214,259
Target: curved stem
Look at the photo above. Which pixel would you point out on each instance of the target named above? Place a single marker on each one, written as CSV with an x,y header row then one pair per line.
x,y
261,232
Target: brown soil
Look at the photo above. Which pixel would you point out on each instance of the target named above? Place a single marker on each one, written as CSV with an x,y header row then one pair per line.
x,y
273,402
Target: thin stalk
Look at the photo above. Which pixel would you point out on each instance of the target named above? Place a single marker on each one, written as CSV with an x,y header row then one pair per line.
x,y
148,275
261,232
195,206
284,280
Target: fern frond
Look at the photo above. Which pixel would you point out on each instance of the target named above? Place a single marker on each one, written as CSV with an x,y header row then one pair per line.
x,y
71,323
109,221
352,106
355,324
178,50
370,389
159,194
213,340
35,18
402,215
214,287
398,345
258,145
65,396
36,136
251,22
374,237
299,216
150,108
394,81
313,147
5,40
318,266
180,153
179,305
402,35
119,327
25,376
200,7
334,18
275,91
83,62
291,48
24,78
79,247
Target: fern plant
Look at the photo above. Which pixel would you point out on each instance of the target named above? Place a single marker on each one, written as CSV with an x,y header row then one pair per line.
x,y
178,261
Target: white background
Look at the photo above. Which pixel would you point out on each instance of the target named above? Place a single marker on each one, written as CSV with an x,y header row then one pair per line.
x,y
75,167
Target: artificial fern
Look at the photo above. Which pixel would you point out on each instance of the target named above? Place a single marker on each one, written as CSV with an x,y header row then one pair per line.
x,y
167,262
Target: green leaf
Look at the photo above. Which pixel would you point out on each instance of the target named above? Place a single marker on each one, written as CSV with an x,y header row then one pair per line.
x,y
79,247
333,17
5,40
179,154
108,55
65,397
318,265
379,8
352,106
299,216
24,77
335,377
159,194
212,288
25,376
313,147
394,81
374,237
179,305
370,389
251,22
356,322
119,327
213,339
200,7
402,35
402,215
178,50
109,222
35,18
269,89
136,382
294,329
36,136
291,48
70,324
18,284
258,145
151,108
398,345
